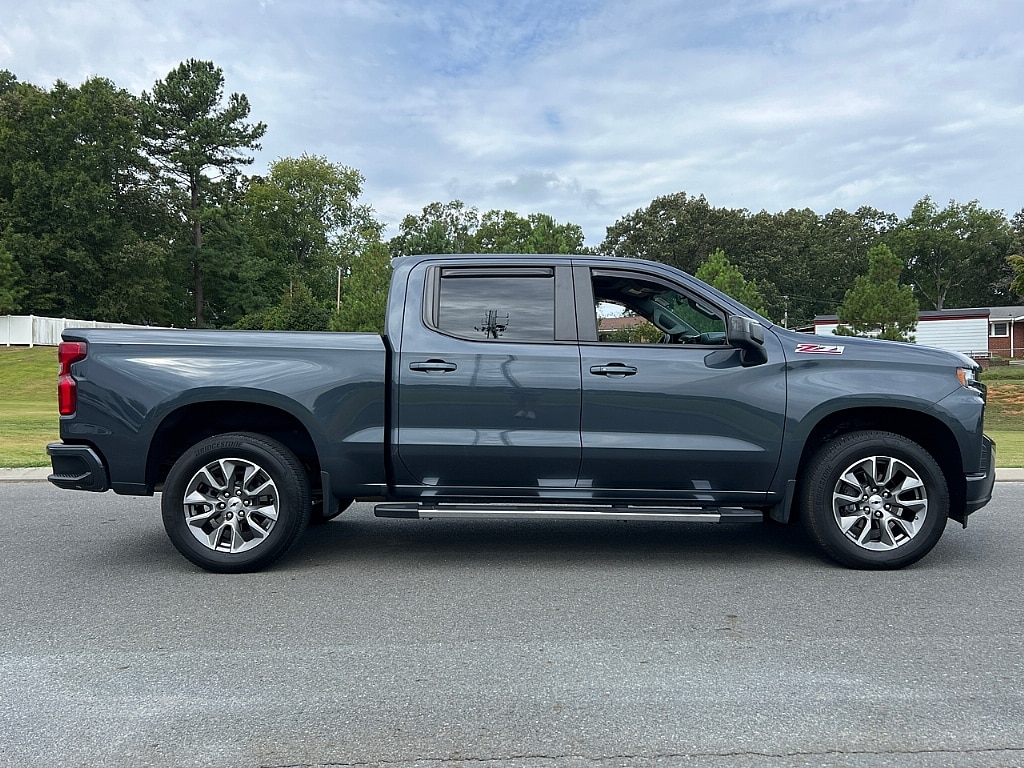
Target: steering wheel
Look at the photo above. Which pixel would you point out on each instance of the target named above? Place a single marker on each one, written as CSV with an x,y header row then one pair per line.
x,y
682,337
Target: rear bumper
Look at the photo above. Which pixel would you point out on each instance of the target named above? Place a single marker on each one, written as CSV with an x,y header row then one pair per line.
x,y
77,468
979,485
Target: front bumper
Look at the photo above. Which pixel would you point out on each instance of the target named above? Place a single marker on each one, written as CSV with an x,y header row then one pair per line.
x,y
77,468
979,485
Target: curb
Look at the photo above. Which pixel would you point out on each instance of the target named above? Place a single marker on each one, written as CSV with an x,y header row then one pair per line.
x,y
24,473
28,474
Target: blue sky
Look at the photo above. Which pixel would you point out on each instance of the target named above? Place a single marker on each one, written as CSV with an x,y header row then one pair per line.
x,y
588,110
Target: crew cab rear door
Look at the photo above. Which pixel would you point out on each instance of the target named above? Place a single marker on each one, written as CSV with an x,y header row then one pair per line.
x,y
668,406
488,395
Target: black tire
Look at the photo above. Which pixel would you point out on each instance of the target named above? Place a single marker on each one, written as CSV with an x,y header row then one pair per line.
x,y
874,500
236,484
317,516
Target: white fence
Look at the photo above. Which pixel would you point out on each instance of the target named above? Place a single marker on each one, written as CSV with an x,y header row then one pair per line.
x,y
31,330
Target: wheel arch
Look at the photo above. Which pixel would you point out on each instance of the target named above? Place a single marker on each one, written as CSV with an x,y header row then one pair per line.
x,y
927,431
189,424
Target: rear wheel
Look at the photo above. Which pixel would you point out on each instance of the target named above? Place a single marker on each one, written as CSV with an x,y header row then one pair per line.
x,y
235,502
874,499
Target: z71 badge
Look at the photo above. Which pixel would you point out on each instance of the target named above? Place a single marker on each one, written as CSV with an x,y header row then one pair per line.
x,y
820,349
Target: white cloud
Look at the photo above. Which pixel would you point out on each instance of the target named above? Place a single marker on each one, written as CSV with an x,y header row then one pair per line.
x,y
589,110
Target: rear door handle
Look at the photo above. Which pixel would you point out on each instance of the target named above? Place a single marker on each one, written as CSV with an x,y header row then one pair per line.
x,y
613,369
433,366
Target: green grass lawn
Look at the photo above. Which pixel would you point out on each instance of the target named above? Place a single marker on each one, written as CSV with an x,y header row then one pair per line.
x,y
28,405
1004,416
1009,447
26,427
28,408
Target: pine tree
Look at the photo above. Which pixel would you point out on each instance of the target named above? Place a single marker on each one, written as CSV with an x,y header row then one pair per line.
x,y
878,305
718,272
191,135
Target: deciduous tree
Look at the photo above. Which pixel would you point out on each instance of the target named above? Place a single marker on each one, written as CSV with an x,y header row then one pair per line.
x,y
73,191
298,310
303,222
10,292
1016,257
508,232
365,291
440,228
955,256
454,228
676,229
802,263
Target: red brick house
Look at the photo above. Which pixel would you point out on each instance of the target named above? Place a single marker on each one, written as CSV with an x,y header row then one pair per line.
x,y
1006,331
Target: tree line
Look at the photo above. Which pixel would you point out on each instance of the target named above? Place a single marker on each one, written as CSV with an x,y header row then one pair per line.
x,y
960,255
136,209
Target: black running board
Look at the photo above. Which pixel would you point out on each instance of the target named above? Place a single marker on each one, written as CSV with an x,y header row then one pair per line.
x,y
533,512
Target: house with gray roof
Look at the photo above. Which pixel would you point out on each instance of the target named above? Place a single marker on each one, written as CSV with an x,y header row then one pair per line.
x,y
1006,331
976,331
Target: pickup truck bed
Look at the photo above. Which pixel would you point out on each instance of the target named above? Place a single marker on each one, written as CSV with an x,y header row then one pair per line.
x,y
146,393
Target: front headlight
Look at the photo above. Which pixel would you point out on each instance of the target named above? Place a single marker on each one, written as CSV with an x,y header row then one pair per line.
x,y
967,376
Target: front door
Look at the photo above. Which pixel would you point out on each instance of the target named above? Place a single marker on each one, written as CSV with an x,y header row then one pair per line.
x,y
667,404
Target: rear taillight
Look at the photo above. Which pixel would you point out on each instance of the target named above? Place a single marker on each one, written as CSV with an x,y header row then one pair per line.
x,y
67,391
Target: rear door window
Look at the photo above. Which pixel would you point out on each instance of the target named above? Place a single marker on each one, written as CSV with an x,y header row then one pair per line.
x,y
497,305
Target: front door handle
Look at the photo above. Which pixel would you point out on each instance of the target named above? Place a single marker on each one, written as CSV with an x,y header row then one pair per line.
x,y
613,369
433,366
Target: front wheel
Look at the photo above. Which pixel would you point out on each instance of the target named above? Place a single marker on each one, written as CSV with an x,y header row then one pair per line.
x,y
874,500
235,502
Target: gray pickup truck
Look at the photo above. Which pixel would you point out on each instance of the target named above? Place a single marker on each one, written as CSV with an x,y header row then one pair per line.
x,y
498,392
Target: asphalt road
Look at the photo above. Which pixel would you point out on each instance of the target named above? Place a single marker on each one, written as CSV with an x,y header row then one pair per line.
x,y
442,643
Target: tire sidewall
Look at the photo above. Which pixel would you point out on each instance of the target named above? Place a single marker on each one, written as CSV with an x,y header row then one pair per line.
x,y
293,499
823,474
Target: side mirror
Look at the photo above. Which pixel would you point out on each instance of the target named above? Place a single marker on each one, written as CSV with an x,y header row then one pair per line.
x,y
748,336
